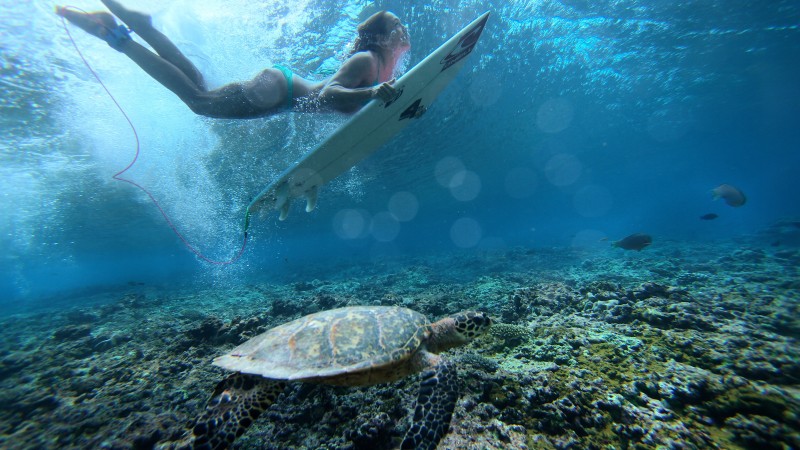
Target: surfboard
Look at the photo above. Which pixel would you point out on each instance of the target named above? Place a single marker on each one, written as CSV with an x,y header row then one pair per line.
x,y
371,126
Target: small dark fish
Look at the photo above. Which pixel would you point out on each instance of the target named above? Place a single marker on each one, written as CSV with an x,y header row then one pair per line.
x,y
732,196
636,242
709,216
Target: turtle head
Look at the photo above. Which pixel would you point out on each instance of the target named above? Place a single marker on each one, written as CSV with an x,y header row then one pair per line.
x,y
458,329
471,324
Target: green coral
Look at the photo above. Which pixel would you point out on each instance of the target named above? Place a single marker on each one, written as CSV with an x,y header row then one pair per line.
x,y
511,335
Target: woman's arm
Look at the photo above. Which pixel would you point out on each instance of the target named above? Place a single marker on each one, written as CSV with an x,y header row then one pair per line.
x,y
344,93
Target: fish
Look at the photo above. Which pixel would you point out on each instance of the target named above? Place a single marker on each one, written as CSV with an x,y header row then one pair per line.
x,y
636,241
732,196
709,216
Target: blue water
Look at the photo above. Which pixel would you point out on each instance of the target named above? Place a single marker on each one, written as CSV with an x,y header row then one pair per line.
x,y
572,122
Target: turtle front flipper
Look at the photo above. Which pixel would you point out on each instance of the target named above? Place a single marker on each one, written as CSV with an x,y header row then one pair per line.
x,y
438,393
236,403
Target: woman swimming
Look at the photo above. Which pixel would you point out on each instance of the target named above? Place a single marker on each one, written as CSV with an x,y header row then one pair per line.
x,y
365,75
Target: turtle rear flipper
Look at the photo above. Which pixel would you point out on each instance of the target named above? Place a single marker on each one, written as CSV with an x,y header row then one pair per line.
x,y
236,403
438,393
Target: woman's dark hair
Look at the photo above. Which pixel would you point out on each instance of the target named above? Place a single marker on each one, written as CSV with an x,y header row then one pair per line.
x,y
369,33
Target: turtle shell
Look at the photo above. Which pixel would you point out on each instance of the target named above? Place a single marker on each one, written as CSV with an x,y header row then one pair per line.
x,y
343,342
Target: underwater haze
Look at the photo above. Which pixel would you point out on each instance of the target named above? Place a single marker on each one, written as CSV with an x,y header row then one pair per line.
x,y
571,119
572,125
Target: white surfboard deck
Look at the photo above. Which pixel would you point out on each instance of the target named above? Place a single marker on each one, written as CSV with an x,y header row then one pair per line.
x,y
370,127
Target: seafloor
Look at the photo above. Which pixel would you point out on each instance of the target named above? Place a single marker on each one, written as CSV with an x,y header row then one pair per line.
x,y
678,346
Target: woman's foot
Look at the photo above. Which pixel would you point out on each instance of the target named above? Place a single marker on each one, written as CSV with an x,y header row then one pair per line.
x,y
97,24
135,20
100,24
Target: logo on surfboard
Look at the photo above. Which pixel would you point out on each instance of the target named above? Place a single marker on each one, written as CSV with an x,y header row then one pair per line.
x,y
464,46
414,110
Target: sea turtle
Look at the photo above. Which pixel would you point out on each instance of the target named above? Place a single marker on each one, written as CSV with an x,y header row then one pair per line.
x,y
352,346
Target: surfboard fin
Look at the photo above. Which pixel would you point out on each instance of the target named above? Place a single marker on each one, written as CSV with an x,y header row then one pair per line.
x,y
284,212
311,199
282,201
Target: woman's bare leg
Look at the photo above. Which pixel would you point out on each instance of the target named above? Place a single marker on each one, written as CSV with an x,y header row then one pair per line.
x,y
266,94
142,24
101,23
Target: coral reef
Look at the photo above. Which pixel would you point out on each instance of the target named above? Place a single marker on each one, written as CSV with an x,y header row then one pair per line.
x,y
678,347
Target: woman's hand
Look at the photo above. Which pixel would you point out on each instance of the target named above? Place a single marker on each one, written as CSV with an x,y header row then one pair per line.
x,y
385,91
